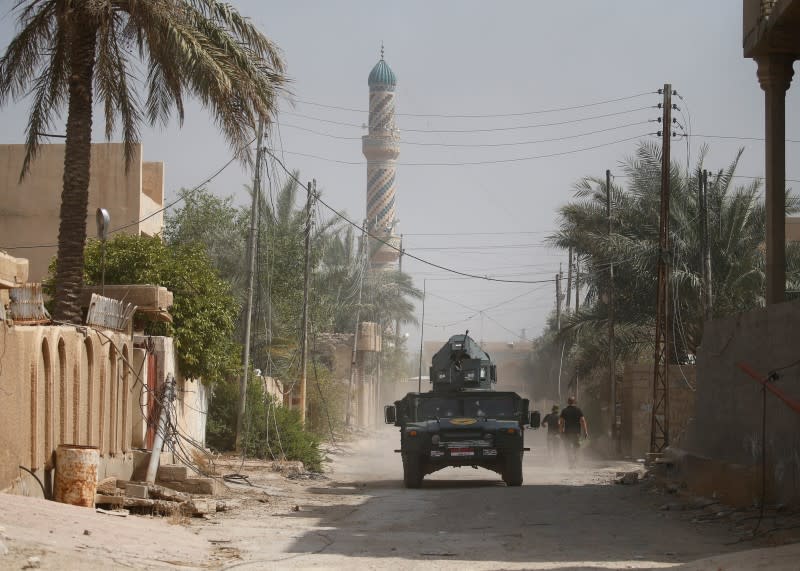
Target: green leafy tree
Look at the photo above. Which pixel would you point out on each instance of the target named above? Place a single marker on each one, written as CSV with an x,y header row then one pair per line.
x,y
74,54
203,311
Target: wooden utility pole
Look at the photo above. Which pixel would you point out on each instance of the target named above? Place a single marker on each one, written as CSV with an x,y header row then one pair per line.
x,y
612,357
577,282
312,191
558,299
422,335
705,260
251,253
659,420
568,302
354,357
397,321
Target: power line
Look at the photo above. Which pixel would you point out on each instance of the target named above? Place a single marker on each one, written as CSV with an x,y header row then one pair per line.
x,y
479,145
392,246
486,130
475,233
474,163
486,116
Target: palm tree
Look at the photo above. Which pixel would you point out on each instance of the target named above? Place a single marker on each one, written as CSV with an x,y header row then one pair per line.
x,y
72,52
736,233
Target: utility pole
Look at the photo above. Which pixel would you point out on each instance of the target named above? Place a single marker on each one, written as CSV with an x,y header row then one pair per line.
x,y
612,357
251,253
397,321
568,302
354,356
659,421
312,191
422,335
577,282
705,260
558,299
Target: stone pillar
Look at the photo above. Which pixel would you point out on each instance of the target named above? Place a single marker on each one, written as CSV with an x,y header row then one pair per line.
x,y
775,76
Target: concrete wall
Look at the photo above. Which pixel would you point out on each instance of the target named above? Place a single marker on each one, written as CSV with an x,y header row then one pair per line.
x,y
637,405
59,385
30,210
725,438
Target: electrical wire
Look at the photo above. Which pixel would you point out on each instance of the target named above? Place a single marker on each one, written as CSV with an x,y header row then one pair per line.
x,y
392,246
479,145
476,163
486,130
488,116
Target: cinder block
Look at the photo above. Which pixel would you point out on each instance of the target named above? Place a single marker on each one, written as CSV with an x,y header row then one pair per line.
x,y
200,506
172,473
136,490
207,486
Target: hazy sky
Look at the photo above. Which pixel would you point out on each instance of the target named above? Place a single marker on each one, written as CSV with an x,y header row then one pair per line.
x,y
483,58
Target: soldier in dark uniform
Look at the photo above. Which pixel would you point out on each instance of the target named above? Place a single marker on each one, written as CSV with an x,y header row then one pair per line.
x,y
572,424
551,421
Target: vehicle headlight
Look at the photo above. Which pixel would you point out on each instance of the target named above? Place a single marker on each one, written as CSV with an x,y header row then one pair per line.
x,y
435,440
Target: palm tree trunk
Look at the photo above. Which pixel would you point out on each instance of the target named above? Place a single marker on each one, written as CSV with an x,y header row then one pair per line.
x,y
77,160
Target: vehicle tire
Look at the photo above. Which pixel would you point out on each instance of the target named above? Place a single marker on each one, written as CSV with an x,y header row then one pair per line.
x,y
512,469
412,471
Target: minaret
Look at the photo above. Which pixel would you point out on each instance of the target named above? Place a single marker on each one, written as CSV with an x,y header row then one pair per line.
x,y
381,148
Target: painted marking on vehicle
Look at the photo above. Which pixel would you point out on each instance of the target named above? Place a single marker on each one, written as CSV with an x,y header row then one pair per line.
x,y
436,453
490,452
462,452
463,421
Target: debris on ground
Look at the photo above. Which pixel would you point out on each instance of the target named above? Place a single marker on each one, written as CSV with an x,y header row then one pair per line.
x,y
627,478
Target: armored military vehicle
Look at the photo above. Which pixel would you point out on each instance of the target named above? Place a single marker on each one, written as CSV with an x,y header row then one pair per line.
x,y
462,421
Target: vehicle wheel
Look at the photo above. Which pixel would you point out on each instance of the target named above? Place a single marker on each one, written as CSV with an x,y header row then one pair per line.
x,y
512,469
412,471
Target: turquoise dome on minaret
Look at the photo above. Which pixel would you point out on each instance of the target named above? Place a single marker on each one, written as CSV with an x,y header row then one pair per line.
x,y
382,74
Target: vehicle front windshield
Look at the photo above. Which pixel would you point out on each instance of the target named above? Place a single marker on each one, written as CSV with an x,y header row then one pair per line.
x,y
502,407
476,407
428,409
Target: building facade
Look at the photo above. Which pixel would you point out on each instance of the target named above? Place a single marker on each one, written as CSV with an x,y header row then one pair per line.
x,y
30,208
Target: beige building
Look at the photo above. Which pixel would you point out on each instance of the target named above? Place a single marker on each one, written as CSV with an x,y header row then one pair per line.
x,y
29,210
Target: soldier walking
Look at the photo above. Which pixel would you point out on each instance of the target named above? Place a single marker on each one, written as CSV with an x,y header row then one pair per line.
x,y
572,424
551,421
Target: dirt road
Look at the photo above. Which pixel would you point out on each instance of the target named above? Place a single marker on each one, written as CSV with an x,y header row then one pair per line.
x,y
363,518
360,516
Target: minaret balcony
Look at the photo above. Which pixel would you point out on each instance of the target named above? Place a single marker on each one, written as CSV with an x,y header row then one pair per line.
x,y
380,148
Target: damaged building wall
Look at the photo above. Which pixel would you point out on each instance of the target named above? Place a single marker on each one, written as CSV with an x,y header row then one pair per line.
x,y
62,385
70,385
724,445
637,405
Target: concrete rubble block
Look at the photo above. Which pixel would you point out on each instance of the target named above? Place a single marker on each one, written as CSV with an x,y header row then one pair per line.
x,y
104,500
107,486
164,493
200,506
136,490
203,486
172,473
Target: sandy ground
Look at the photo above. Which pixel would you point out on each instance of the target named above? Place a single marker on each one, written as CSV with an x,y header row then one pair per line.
x,y
359,516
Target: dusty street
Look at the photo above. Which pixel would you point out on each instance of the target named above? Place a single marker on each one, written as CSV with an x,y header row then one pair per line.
x,y
359,516
363,518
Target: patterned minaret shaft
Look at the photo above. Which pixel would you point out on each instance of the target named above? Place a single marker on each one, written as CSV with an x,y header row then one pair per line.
x,y
381,148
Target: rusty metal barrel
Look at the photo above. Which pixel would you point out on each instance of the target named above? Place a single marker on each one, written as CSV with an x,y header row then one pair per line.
x,y
76,474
